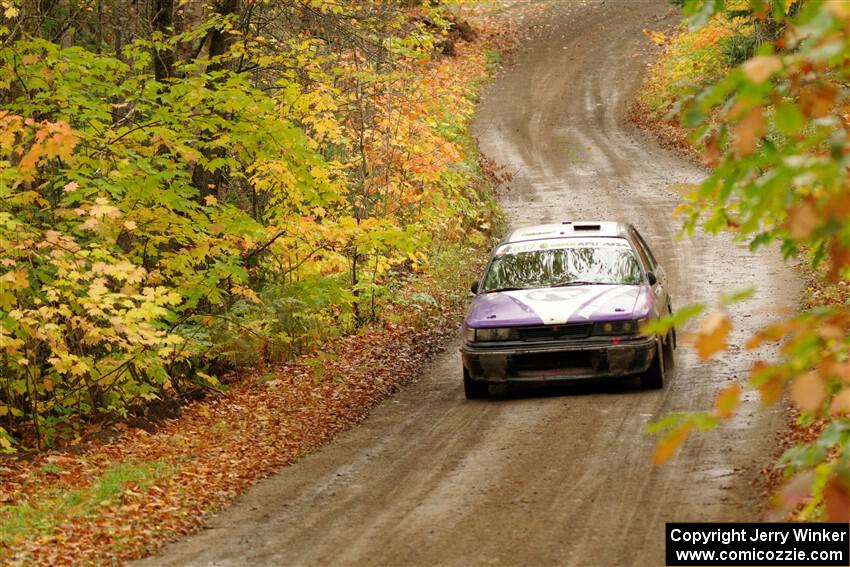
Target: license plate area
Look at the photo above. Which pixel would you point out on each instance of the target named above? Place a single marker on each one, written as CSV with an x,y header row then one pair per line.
x,y
541,364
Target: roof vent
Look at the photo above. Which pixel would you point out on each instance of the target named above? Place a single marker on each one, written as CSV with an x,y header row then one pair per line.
x,y
587,227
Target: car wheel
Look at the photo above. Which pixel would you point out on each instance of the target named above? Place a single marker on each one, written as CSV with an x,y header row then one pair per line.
x,y
669,351
653,378
473,389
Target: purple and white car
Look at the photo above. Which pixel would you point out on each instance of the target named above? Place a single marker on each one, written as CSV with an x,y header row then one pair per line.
x,y
560,302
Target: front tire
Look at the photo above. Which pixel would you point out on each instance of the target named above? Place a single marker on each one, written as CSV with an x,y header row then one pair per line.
x,y
653,378
473,389
669,351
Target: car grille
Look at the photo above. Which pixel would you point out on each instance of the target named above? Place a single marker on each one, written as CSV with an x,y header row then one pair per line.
x,y
554,332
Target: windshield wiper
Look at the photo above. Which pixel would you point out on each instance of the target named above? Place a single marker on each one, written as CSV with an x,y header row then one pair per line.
x,y
575,282
495,289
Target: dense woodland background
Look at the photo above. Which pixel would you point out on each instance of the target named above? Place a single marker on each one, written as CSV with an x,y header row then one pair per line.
x,y
190,187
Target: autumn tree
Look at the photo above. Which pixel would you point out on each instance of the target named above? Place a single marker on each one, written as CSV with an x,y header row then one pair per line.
x,y
187,187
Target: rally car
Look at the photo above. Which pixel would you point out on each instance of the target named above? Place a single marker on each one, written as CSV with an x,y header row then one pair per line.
x,y
564,302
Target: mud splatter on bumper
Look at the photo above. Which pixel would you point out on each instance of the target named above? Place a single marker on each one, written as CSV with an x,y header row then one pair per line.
x,y
558,362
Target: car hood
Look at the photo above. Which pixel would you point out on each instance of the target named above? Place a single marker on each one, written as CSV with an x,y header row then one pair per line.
x,y
558,306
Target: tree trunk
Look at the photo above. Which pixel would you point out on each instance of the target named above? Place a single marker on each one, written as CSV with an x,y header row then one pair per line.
x,y
209,182
163,22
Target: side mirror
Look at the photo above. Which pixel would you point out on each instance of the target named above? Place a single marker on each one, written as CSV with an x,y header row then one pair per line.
x,y
474,287
651,277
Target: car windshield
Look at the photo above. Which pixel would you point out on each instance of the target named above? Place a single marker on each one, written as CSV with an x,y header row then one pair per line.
x,y
554,264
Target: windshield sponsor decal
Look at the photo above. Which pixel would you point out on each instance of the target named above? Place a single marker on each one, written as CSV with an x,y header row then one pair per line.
x,y
560,244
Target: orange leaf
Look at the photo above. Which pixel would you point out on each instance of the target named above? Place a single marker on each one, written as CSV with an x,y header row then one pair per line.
x,y
816,101
770,388
748,131
727,400
755,341
830,332
711,336
802,220
770,391
668,446
808,392
760,68
839,258
841,402
836,499
797,490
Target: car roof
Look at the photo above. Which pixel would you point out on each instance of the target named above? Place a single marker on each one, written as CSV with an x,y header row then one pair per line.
x,y
568,229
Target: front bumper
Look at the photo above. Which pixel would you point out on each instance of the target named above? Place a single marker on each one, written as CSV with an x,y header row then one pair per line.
x,y
561,361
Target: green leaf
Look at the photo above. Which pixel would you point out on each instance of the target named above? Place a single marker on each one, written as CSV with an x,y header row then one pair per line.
x,y
789,119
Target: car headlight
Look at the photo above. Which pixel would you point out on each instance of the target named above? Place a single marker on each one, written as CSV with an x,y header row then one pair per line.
x,y
469,335
631,327
496,334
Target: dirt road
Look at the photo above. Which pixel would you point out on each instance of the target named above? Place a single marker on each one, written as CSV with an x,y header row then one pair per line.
x,y
559,477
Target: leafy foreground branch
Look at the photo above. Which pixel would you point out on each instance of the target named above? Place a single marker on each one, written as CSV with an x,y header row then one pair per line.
x,y
770,114
189,190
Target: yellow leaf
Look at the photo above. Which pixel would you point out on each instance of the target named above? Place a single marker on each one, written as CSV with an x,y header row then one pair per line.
x,y
18,279
79,368
711,336
808,392
668,446
727,400
838,8
760,68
